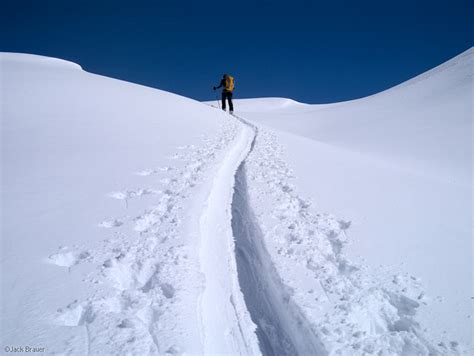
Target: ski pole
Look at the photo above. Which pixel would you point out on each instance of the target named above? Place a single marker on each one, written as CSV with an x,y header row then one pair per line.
x,y
218,102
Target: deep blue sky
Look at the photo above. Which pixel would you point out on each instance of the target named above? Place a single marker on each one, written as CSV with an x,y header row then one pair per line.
x,y
311,51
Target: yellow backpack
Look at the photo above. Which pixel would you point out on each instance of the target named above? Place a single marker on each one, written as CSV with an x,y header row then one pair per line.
x,y
229,83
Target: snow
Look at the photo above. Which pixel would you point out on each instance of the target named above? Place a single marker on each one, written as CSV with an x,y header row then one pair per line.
x,y
398,165
86,241
136,221
222,292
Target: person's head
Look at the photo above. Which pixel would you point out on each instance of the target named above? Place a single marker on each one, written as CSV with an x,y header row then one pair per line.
x,y
224,76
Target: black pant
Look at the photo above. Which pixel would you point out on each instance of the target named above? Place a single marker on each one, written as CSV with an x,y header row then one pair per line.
x,y
227,95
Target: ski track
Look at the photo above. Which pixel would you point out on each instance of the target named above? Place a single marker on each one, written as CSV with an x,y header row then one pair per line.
x,y
305,295
243,292
282,328
226,323
147,276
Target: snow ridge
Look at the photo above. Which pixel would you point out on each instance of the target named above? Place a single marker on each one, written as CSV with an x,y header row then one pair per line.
x,y
37,60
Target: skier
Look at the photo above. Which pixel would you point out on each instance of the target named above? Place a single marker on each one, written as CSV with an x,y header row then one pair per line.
x,y
227,83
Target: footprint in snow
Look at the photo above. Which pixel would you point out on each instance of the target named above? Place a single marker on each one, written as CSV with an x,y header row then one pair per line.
x,y
176,156
128,194
68,258
110,223
168,180
168,290
186,147
75,314
146,172
165,169
149,172
344,225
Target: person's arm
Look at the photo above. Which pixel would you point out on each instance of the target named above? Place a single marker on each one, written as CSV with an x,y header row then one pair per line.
x,y
220,85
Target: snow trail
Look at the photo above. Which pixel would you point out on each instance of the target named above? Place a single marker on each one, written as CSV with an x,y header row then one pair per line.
x,y
270,276
146,281
230,330
255,314
282,328
301,290
111,254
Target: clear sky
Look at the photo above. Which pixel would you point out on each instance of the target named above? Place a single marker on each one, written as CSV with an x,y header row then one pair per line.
x,y
311,51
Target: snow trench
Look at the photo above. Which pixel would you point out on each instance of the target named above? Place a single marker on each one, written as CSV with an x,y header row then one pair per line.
x,y
245,308
281,327
226,324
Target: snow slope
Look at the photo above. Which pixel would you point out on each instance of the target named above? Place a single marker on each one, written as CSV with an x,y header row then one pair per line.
x,y
103,186
135,221
398,166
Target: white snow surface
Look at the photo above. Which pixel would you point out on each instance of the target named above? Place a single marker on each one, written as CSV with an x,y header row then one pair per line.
x,y
103,186
398,166
136,221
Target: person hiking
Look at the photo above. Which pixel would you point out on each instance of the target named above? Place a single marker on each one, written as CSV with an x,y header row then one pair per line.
x,y
227,84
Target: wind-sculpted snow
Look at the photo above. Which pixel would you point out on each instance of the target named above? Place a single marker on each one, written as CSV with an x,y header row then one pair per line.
x,y
39,61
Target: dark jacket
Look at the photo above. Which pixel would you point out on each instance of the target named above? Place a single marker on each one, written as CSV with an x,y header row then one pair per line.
x,y
222,84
